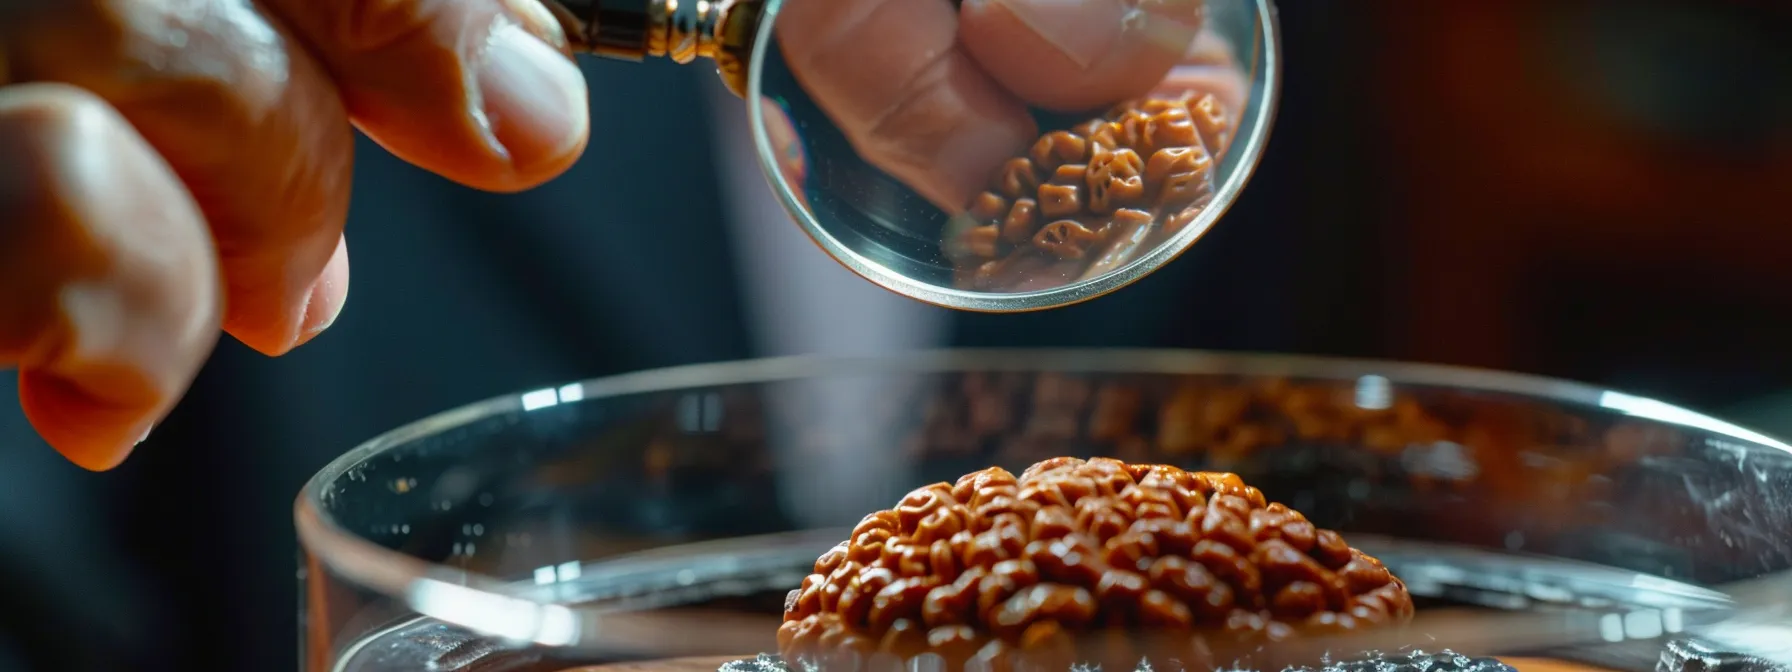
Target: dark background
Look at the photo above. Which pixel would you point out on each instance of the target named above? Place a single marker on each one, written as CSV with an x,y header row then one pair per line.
x,y
1590,189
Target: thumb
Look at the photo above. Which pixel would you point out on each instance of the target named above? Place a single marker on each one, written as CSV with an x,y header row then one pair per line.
x,y
479,91
1074,55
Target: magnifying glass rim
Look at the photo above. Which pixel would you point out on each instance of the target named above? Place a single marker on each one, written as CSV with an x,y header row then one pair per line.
x,y
1265,98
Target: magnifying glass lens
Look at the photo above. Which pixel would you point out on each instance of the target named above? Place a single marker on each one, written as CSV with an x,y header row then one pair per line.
x,y
988,155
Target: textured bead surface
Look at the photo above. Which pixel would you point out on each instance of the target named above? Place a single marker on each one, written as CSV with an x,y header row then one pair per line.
x,y
997,565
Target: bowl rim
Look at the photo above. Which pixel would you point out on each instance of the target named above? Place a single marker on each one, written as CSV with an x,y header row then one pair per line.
x,y
1261,106
400,577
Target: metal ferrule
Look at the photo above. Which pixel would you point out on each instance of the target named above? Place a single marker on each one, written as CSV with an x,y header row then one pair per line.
x,y
680,30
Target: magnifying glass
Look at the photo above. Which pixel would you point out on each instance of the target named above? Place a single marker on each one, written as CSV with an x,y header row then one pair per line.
x,y
984,155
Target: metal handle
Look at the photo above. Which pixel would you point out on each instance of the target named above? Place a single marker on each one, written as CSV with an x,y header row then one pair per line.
x,y
682,30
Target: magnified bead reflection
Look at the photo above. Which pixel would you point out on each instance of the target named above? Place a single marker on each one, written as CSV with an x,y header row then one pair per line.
x,y
1011,154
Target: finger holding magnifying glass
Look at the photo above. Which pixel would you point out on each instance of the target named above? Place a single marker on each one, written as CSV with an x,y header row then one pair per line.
x,y
938,94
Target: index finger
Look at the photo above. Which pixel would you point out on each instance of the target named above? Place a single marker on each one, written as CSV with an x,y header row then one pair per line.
x,y
107,305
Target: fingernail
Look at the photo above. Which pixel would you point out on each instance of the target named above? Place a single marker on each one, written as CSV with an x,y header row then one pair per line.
x,y
533,97
539,21
1086,31
327,297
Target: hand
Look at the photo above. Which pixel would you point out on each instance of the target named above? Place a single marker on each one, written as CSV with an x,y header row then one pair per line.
x,y
937,95
170,167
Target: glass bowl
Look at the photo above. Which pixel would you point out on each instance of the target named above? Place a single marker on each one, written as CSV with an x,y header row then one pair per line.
x,y
655,521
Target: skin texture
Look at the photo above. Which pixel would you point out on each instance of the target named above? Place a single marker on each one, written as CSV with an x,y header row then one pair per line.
x,y
937,95
217,197
170,169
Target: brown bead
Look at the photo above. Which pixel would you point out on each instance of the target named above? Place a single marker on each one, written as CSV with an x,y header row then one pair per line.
x,y
1022,221
1221,523
1046,646
1053,523
1298,600
1019,179
1112,476
1280,522
1364,573
994,545
982,242
1104,137
883,520
1178,176
913,561
1067,560
1071,174
902,599
1330,550
1116,182
1172,127
831,560
1002,506
890,553
1065,239
972,485
1085,174
1150,501
1244,624
1090,127
941,524
1058,148
806,600
1228,565
831,588
1044,493
1068,606
1170,536
904,638
1130,550
942,560
1060,200
1004,580
1132,129
955,602
919,503
787,634
867,548
1103,518
1158,610
1211,120
1041,470
1108,560
954,642
988,207
856,599
1208,597
1119,592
